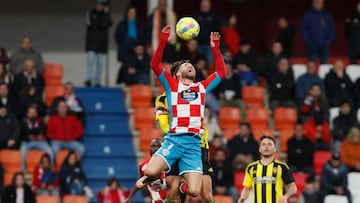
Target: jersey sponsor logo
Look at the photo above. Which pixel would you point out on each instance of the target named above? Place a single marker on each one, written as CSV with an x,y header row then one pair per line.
x,y
189,95
264,179
211,169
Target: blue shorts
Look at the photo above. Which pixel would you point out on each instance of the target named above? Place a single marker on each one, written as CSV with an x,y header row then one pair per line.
x,y
184,148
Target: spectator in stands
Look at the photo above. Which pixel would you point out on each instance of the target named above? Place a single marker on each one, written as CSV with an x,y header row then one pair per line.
x,y
305,81
229,90
29,76
72,177
112,192
202,72
282,86
4,59
317,130
4,74
31,98
33,135
136,69
26,51
248,56
311,193
230,35
318,31
97,35
338,84
314,103
349,150
73,102
245,74
300,152
352,33
192,53
343,123
215,144
243,148
7,99
334,178
286,35
64,130
212,124
18,191
209,21
271,61
356,93
162,16
223,180
127,33
45,180
10,129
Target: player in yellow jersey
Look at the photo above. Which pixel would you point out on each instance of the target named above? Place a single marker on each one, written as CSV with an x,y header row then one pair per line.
x,y
267,177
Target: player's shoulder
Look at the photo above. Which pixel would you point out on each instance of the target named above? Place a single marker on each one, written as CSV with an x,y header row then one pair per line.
x,y
252,165
282,164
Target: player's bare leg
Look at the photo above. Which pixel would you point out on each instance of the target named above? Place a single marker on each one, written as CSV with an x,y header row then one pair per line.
x,y
206,189
152,171
194,182
172,183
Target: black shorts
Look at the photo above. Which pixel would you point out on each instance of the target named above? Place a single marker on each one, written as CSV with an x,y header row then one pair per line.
x,y
207,169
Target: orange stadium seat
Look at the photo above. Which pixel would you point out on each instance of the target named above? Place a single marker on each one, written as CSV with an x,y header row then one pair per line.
x,y
229,117
285,118
253,96
8,176
300,182
258,118
285,135
230,133
53,74
141,95
223,199
32,159
258,133
75,199
144,118
60,157
11,160
52,91
46,199
145,137
320,159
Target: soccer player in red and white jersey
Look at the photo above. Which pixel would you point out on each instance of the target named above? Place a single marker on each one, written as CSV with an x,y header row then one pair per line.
x,y
157,188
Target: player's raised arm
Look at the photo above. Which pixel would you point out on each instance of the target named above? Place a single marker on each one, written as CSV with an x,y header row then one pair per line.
x,y
218,58
156,64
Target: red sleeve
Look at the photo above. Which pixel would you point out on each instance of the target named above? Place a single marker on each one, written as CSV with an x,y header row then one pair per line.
x,y
326,132
36,180
156,62
78,128
219,60
50,132
305,108
310,130
100,197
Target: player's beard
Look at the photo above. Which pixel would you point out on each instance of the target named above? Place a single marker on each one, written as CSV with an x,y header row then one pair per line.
x,y
188,76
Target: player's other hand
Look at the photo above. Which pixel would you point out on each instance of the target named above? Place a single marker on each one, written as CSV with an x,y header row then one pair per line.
x,y
283,200
128,200
215,39
165,33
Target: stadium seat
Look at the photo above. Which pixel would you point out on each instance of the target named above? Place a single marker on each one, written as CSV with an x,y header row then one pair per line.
x,y
238,180
258,133
107,125
334,112
144,118
32,159
258,118
60,157
354,183
298,69
285,118
230,133
75,199
229,117
356,199
285,135
223,199
335,199
141,96
320,159
324,69
300,181
11,160
8,176
46,199
353,71
52,91
108,147
253,96
145,137
344,59
53,74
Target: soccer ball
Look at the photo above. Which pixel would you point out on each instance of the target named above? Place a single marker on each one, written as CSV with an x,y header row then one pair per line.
x,y
187,28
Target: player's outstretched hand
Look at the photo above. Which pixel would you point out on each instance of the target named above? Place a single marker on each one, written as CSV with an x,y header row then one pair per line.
x,y
214,39
165,33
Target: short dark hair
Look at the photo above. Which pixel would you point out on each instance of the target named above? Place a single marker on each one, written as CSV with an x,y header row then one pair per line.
x,y
176,65
268,137
113,180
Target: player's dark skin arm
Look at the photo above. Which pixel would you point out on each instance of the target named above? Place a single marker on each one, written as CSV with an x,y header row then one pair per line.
x,y
132,193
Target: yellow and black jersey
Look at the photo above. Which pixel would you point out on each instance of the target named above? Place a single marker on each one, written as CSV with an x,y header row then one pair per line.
x,y
164,119
267,182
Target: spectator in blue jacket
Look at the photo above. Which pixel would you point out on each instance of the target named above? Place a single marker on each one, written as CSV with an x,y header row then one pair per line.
x,y
318,31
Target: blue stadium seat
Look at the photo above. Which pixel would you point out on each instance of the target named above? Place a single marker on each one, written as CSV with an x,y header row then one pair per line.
x,y
110,128
102,105
96,118
109,147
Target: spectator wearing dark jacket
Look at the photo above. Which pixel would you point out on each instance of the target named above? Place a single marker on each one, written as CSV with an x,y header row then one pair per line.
x,y
318,31
300,152
72,177
352,33
286,35
97,27
305,81
128,32
191,52
18,189
356,94
338,84
64,130
270,64
10,129
31,98
4,59
248,56
334,178
282,86
7,99
343,123
33,135
313,103
5,76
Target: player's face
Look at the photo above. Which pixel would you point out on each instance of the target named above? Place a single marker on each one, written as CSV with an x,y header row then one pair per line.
x,y
154,146
267,148
187,70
